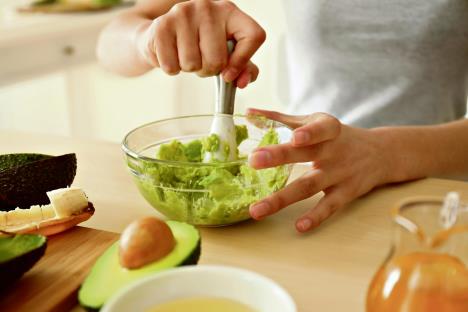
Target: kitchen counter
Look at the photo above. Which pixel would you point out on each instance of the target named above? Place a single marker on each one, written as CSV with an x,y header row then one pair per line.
x,y
325,270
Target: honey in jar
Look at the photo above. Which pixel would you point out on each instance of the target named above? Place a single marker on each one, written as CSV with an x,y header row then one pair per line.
x,y
426,269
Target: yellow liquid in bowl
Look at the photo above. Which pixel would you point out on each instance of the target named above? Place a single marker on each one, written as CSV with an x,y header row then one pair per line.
x,y
203,304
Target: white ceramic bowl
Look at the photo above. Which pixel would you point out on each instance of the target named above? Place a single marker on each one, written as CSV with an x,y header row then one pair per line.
x,y
250,288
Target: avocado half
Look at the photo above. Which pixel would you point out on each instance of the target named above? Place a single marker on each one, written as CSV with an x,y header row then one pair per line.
x,y
25,178
18,254
107,276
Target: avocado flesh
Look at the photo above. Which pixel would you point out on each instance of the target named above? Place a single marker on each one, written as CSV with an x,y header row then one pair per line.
x,y
90,3
26,178
18,254
107,275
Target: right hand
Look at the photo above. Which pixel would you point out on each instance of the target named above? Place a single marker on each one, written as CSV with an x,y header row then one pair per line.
x,y
192,37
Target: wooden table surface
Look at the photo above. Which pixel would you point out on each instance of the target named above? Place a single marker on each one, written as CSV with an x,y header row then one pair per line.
x,y
326,270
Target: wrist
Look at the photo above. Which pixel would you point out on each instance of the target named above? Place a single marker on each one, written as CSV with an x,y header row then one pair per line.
x,y
401,153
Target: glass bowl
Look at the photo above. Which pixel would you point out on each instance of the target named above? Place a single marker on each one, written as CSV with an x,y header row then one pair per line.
x,y
206,194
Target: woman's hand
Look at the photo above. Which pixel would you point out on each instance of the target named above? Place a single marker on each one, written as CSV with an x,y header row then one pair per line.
x,y
192,36
347,162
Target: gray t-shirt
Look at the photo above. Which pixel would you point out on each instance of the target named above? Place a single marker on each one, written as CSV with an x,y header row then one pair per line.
x,y
378,62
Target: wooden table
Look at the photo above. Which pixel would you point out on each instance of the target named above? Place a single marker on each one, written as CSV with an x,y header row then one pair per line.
x,y
326,270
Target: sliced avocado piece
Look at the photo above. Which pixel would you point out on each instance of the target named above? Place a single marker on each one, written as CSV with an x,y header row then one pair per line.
x,y
107,275
18,254
106,2
43,2
73,4
26,178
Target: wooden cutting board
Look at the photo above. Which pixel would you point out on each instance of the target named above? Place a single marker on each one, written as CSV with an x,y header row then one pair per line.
x,y
52,284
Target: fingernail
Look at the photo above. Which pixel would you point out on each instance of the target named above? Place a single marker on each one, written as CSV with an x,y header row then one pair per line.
x,y
259,210
260,158
243,84
252,112
301,137
304,225
249,79
230,75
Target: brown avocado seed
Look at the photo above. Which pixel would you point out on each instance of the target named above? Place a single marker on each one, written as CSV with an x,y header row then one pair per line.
x,y
144,241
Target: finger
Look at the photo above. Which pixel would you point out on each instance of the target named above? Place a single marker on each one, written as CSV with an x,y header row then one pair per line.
x,y
187,40
334,199
253,69
166,46
249,75
307,185
249,37
320,127
243,80
289,120
146,44
213,42
280,154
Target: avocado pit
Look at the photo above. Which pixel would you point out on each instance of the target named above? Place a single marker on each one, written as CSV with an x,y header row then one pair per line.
x,y
145,241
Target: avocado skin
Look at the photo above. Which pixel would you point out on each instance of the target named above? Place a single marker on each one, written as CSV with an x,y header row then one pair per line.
x,y
26,185
13,269
194,256
8,161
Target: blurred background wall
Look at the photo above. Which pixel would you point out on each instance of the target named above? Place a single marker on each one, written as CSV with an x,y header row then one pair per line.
x,y
50,81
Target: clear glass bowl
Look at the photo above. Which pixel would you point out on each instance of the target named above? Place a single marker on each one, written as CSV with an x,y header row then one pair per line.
x,y
207,194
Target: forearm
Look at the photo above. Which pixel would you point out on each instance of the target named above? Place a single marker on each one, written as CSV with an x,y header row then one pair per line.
x,y
422,151
117,47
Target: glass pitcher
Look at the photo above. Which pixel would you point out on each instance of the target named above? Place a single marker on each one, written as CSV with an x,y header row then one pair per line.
x,y
427,267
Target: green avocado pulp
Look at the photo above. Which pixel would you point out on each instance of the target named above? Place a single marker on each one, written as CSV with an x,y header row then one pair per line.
x,y
14,246
107,275
214,194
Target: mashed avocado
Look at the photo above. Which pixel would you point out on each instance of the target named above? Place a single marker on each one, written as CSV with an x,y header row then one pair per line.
x,y
207,194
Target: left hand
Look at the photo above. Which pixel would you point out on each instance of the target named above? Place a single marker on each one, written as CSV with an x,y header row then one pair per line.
x,y
347,162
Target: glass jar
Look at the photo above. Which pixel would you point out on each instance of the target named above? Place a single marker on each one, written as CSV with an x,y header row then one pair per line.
x,y
426,269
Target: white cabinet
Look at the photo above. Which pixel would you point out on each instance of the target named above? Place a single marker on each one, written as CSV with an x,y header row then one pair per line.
x,y
50,81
